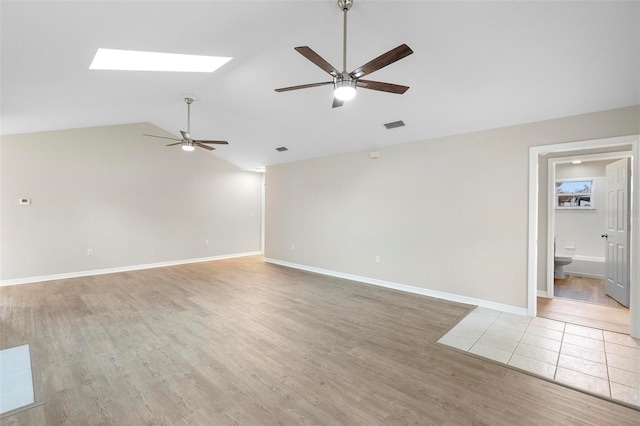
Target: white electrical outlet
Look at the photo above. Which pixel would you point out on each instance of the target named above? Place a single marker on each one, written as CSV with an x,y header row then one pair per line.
x,y
89,252
206,242
377,259
293,246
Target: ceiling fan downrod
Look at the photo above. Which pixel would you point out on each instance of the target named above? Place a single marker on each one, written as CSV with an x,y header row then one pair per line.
x,y
344,85
345,5
189,101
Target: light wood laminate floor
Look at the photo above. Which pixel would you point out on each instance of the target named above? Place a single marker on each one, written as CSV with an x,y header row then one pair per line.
x,y
584,289
586,314
245,342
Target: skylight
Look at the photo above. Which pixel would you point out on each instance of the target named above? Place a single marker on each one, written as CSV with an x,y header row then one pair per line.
x,y
130,60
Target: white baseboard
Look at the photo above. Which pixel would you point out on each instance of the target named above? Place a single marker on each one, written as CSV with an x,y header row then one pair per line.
x,y
586,266
584,274
64,276
543,293
407,288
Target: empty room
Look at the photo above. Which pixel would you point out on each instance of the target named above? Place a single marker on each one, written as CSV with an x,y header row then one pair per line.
x,y
319,212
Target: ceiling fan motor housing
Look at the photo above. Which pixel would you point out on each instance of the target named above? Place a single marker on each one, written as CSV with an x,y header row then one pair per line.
x,y
344,87
345,4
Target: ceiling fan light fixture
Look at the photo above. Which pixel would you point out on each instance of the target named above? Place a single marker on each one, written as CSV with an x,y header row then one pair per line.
x,y
344,90
188,147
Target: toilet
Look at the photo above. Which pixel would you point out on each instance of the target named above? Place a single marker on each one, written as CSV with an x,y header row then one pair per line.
x,y
559,262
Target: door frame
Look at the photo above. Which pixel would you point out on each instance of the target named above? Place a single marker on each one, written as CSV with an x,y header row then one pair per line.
x,y
551,211
535,153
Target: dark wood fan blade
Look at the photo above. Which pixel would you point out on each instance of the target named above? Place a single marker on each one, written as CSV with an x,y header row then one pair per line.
x,y
161,137
210,148
172,144
337,103
308,53
215,142
382,61
382,87
303,86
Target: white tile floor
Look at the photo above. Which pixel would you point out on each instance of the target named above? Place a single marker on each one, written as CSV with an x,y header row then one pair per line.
x,y
16,382
599,361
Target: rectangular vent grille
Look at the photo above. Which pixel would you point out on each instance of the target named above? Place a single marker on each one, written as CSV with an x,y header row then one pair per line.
x,y
394,124
282,149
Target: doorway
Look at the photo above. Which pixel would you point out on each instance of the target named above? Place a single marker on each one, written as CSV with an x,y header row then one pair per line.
x,y
578,219
577,226
541,220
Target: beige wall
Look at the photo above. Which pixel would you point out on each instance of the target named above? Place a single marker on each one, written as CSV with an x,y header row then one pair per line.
x,y
448,214
128,197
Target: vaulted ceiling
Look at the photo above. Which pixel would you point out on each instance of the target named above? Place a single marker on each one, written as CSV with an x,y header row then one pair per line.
x,y
477,65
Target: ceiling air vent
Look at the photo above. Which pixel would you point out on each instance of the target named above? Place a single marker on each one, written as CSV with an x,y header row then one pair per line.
x,y
394,124
282,149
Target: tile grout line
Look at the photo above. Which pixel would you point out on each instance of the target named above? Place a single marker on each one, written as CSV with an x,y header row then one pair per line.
x,y
554,364
483,333
555,372
606,363
518,344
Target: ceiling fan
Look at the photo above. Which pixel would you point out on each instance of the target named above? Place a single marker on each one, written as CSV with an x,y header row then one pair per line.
x,y
189,144
344,82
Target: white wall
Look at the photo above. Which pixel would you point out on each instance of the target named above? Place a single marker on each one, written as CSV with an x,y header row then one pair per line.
x,y
448,214
128,197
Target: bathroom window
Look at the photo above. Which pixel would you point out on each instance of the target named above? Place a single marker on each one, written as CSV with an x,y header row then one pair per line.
x,y
574,194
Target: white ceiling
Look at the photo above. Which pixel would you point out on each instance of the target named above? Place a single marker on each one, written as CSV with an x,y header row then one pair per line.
x,y
477,65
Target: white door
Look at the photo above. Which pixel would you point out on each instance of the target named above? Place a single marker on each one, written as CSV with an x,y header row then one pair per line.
x,y
617,231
